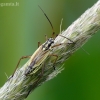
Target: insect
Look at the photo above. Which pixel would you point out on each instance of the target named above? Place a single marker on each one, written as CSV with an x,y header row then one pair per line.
x,y
42,52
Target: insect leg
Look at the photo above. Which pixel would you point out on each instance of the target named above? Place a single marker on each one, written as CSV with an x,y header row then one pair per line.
x,y
56,45
53,35
63,43
55,60
23,57
59,44
46,37
39,44
43,68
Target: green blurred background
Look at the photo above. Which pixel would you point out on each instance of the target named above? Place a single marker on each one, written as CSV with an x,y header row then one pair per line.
x,y
21,27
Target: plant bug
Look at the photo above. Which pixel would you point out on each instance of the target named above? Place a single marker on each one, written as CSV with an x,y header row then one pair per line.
x,y
42,52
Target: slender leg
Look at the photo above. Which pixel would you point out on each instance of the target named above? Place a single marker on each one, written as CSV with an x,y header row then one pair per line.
x,y
55,60
60,44
53,34
42,69
56,45
56,36
23,57
46,37
39,44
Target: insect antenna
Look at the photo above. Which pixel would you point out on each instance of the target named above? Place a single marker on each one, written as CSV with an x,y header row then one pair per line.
x,y
48,20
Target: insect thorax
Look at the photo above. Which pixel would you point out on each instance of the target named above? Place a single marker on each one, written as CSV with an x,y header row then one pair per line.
x,y
47,45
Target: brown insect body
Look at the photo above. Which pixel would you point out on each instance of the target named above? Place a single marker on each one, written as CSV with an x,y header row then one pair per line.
x,y
39,56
